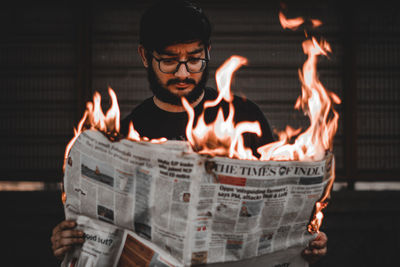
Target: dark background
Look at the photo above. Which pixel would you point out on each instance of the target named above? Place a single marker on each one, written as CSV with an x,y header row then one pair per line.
x,y
55,54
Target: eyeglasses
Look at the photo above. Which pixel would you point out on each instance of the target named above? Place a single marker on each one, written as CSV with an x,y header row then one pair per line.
x,y
171,65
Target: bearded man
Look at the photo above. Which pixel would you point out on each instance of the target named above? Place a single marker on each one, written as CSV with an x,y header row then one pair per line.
x,y
175,50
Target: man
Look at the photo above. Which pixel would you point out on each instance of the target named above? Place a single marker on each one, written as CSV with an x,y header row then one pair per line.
x,y
175,50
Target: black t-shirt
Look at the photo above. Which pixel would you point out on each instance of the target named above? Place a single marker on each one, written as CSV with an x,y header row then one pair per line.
x,y
153,122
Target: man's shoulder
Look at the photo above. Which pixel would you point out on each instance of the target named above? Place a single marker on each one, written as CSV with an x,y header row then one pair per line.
x,y
145,105
143,110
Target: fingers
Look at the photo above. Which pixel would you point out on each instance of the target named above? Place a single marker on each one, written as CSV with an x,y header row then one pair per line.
x,y
313,255
70,233
64,225
317,244
316,249
315,252
309,258
59,253
68,242
64,237
321,237
320,241
61,244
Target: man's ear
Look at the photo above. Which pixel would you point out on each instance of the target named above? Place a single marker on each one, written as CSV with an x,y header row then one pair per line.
x,y
208,51
142,53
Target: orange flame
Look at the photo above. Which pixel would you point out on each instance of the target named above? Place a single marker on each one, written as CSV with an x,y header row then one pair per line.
x,y
133,134
316,221
292,24
316,23
222,137
109,124
295,23
77,132
316,102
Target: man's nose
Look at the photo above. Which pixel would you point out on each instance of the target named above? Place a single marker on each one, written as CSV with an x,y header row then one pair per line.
x,y
182,72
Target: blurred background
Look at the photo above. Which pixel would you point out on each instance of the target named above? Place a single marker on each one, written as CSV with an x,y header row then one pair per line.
x,y
55,54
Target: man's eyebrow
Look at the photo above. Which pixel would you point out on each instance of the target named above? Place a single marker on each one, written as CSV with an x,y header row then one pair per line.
x,y
168,53
196,51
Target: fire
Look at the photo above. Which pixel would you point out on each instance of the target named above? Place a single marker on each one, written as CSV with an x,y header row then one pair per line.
x,y
225,138
316,221
295,23
290,23
222,137
316,102
109,124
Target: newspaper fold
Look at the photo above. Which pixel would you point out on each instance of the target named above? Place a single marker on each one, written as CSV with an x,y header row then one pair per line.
x,y
144,204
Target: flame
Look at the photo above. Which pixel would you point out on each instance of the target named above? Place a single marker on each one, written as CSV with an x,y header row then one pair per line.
x,y
223,77
295,23
316,221
221,137
109,124
158,140
316,102
292,24
225,138
133,134
77,132
316,23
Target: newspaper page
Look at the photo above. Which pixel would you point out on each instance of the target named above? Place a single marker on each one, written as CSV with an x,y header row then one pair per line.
x,y
196,209
252,208
108,245
101,246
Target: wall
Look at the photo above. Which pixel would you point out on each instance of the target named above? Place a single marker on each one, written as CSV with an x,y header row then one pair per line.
x,y
54,55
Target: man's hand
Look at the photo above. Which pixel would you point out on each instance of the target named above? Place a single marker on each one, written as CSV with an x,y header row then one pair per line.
x,y
64,237
316,249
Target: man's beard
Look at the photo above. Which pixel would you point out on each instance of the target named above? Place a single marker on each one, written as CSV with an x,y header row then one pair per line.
x,y
166,96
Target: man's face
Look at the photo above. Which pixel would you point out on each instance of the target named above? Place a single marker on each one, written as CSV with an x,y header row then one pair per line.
x,y
170,87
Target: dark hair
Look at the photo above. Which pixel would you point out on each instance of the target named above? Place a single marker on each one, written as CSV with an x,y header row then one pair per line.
x,y
172,22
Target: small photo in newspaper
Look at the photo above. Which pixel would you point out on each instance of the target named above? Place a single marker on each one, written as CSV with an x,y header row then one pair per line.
x,y
139,252
97,170
251,208
105,214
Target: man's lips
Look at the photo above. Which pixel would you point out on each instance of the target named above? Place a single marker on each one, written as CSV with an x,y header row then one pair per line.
x,y
182,85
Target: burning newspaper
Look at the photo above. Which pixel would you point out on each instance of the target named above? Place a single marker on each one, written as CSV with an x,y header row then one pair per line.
x,y
191,207
144,202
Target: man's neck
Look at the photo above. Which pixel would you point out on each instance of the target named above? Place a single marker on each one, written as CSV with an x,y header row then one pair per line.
x,y
174,108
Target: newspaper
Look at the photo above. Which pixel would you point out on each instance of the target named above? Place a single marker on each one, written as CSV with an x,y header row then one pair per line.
x,y
108,245
189,209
